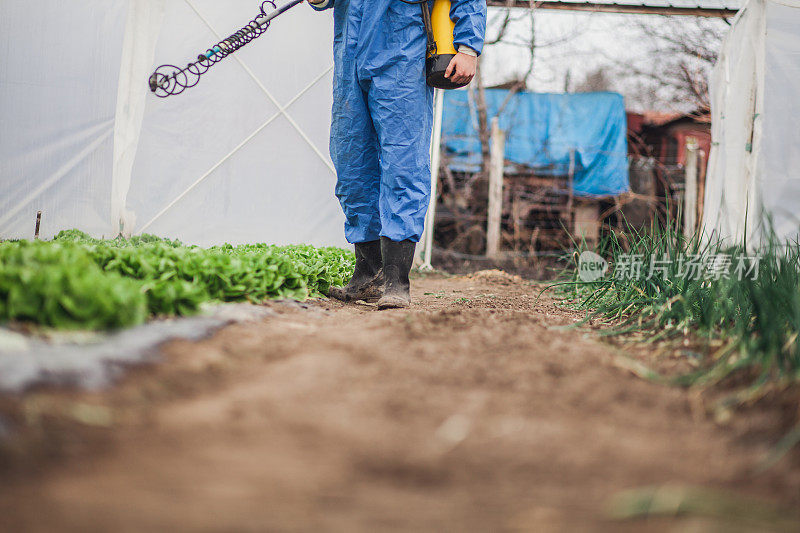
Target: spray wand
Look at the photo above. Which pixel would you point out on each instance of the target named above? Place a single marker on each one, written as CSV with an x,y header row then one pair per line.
x,y
169,80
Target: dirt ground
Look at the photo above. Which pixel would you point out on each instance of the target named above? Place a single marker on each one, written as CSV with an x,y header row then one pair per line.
x,y
477,410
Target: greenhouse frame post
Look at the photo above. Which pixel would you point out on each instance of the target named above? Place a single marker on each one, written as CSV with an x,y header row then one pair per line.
x,y
436,158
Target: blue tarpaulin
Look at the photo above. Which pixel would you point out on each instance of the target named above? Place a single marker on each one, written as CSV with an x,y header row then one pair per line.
x,y
541,130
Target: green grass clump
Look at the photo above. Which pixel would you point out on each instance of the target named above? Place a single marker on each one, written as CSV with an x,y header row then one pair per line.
x,y
756,320
76,282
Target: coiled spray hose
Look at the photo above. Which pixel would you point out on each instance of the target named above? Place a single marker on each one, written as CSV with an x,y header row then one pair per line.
x,y
169,80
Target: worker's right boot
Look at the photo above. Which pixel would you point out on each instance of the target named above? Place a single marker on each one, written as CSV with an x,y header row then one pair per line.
x,y
397,260
367,282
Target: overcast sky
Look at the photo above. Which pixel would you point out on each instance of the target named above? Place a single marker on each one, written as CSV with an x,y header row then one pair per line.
x,y
568,42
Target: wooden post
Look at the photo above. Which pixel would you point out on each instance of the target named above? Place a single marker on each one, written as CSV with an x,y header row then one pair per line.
x,y
587,223
690,189
701,186
496,164
38,225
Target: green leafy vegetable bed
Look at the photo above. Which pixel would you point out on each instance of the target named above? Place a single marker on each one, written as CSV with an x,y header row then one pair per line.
x,y
76,282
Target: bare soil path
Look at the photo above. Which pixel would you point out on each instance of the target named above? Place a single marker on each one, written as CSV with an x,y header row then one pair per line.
x,y
473,411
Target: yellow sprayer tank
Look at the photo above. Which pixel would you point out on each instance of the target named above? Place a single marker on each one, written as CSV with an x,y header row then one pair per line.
x,y
443,29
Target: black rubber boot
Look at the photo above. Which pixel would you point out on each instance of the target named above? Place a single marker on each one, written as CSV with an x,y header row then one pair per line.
x,y
397,260
366,283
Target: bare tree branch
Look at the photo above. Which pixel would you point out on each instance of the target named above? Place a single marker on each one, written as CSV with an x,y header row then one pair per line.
x,y
503,27
679,56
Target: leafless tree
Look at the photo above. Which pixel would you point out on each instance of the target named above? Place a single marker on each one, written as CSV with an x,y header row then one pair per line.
x,y
503,20
466,199
673,71
510,27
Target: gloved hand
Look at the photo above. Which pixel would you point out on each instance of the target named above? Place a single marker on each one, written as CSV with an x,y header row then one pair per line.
x,y
462,68
316,2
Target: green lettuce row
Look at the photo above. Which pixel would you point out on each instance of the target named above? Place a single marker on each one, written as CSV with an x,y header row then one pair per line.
x,y
59,285
77,282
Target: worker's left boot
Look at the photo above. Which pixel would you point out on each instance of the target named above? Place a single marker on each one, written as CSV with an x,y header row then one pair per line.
x,y
366,283
397,260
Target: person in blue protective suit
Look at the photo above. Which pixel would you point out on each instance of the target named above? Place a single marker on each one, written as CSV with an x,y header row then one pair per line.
x,y
381,133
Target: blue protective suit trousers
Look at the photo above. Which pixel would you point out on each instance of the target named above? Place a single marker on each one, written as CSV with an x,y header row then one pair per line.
x,y
382,119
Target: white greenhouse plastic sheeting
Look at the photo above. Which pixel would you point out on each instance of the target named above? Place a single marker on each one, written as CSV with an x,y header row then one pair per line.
x,y
753,182
241,157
